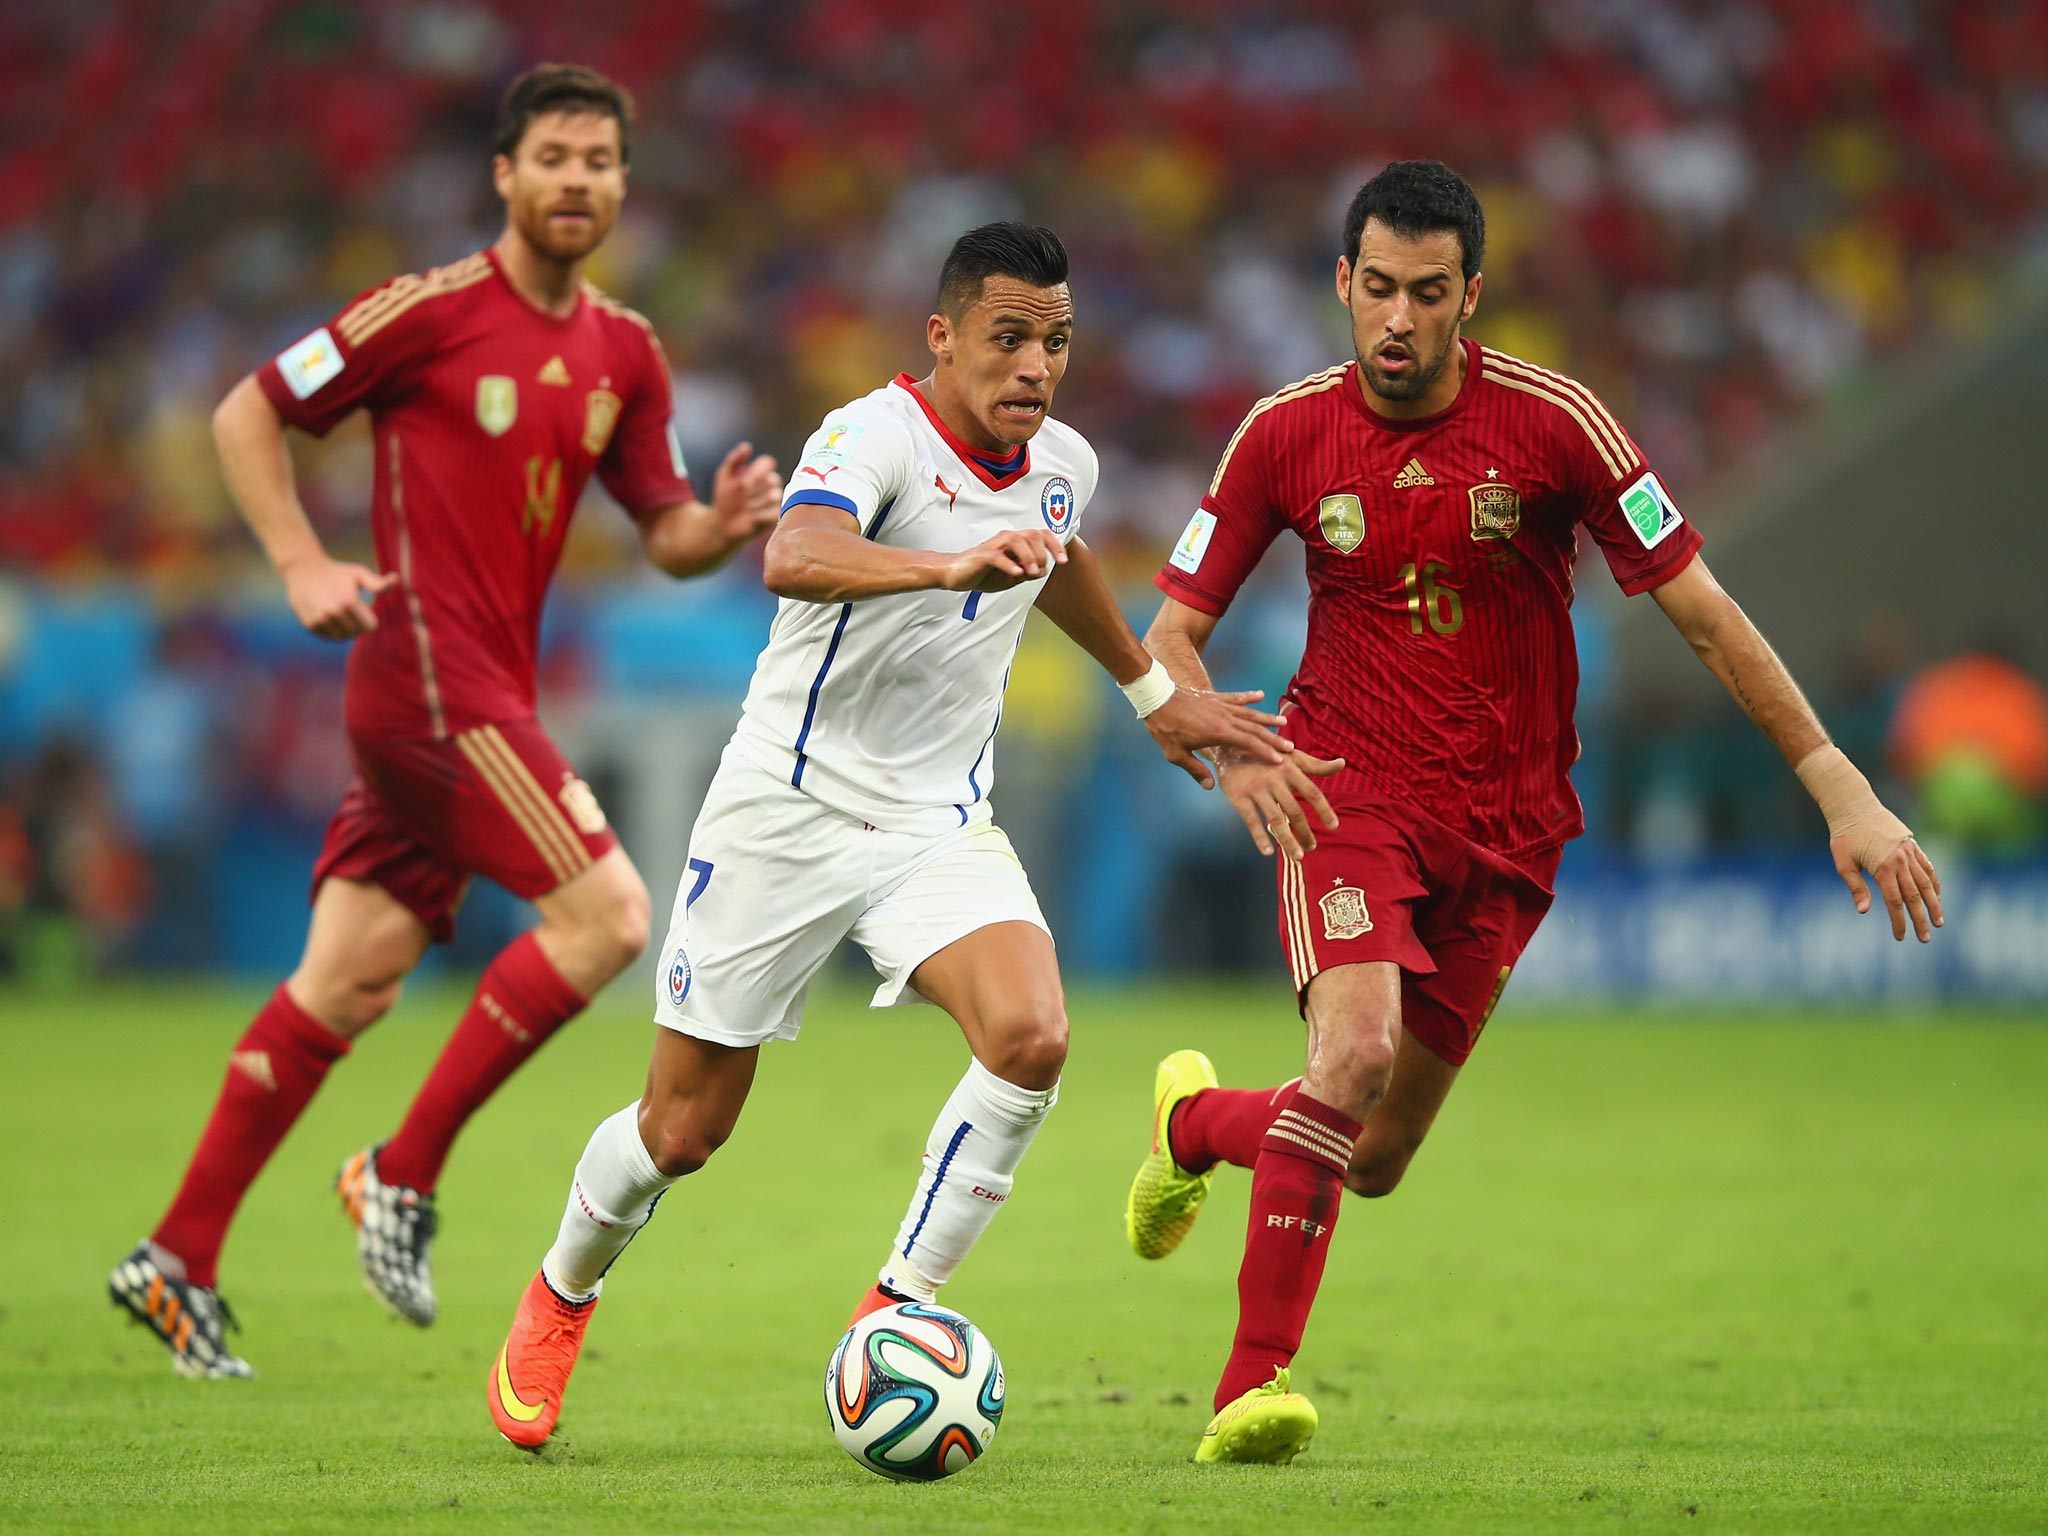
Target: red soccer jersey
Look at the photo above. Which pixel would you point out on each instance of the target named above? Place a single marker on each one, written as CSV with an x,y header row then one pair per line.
x,y
1440,664
489,416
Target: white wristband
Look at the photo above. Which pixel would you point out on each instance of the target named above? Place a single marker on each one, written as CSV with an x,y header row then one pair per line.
x,y
1151,690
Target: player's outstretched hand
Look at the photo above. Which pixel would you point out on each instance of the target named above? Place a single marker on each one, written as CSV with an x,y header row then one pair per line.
x,y
1009,559
327,595
1193,720
746,494
1904,874
1275,799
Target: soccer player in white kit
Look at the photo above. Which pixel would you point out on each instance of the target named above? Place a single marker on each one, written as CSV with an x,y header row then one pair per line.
x,y
923,522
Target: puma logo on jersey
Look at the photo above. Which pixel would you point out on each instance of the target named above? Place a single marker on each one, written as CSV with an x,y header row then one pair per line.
x,y
822,474
1413,474
952,496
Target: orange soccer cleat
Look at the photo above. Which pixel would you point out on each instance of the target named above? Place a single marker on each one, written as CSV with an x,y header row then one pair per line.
x,y
532,1371
876,1299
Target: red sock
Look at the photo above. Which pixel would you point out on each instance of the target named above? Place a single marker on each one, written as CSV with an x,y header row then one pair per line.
x,y
1224,1125
273,1072
1296,1186
520,1002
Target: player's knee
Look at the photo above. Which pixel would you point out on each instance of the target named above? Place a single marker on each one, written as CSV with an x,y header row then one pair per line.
x,y
1028,1046
681,1145
618,932
348,1005
629,926
1360,1064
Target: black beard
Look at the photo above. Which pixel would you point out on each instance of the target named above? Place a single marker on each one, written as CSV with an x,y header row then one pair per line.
x,y
1411,388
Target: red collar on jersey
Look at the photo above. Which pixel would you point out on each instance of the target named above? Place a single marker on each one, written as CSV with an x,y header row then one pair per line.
x,y
1354,390
976,466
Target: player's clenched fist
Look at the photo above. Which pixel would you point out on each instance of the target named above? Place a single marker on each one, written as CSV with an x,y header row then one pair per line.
x,y
327,595
746,494
1275,799
1010,558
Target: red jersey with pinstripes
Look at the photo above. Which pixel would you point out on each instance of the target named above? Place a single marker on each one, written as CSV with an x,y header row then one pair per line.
x,y
1440,663
489,416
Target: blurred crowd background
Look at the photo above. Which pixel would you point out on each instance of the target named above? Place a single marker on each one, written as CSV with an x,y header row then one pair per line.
x,y
1734,220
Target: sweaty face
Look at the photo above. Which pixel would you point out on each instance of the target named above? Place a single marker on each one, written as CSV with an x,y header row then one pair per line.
x,y
1001,359
1407,298
563,184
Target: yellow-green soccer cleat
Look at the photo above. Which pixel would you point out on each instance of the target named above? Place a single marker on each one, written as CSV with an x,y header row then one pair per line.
x,y
1268,1424
1165,1199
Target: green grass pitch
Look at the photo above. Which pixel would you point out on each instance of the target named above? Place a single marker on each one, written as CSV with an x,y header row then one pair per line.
x,y
1739,1274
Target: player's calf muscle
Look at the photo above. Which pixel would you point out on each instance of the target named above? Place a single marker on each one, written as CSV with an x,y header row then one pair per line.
x,y
1376,1171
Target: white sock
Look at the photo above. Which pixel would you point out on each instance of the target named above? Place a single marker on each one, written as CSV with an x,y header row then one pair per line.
x,y
614,1193
970,1165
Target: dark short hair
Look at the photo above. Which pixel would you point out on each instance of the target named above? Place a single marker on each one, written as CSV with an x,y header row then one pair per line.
x,y
1027,252
561,88
1419,197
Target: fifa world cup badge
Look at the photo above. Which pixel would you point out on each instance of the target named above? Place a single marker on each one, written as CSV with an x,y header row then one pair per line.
x,y
1344,914
1343,521
497,403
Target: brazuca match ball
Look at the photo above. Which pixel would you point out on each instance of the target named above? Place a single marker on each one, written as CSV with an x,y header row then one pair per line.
x,y
914,1392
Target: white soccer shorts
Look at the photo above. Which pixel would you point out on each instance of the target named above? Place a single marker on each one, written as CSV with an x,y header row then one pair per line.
x,y
775,880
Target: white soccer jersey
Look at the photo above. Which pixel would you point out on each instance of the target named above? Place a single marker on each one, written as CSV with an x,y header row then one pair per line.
x,y
887,709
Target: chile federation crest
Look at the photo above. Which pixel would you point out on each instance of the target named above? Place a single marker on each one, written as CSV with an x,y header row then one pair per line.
x,y
1056,503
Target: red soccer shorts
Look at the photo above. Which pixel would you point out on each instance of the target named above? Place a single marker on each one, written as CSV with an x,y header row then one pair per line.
x,y
497,800
1393,884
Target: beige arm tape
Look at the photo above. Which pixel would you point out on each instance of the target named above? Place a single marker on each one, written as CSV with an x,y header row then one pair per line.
x,y
1853,811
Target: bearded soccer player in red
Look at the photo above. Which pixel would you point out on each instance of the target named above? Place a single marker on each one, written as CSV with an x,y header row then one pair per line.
x,y
496,387
1439,487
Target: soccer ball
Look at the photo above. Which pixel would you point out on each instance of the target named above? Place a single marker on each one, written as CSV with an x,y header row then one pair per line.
x,y
914,1392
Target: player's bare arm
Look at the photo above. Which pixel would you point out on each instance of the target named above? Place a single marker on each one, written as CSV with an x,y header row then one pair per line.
x,y
1274,798
817,555
693,536
1862,833
326,594
1189,721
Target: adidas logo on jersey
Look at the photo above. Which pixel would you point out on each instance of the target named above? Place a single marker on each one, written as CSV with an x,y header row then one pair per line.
x,y
554,371
255,1065
1412,473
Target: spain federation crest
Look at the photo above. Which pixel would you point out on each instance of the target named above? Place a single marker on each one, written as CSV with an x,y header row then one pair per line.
x,y
1496,511
1056,502
1343,521
1344,914
497,403
678,978
580,801
600,415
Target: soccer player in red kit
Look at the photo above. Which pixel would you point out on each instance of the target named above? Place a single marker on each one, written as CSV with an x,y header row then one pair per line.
x,y
496,387
1439,487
